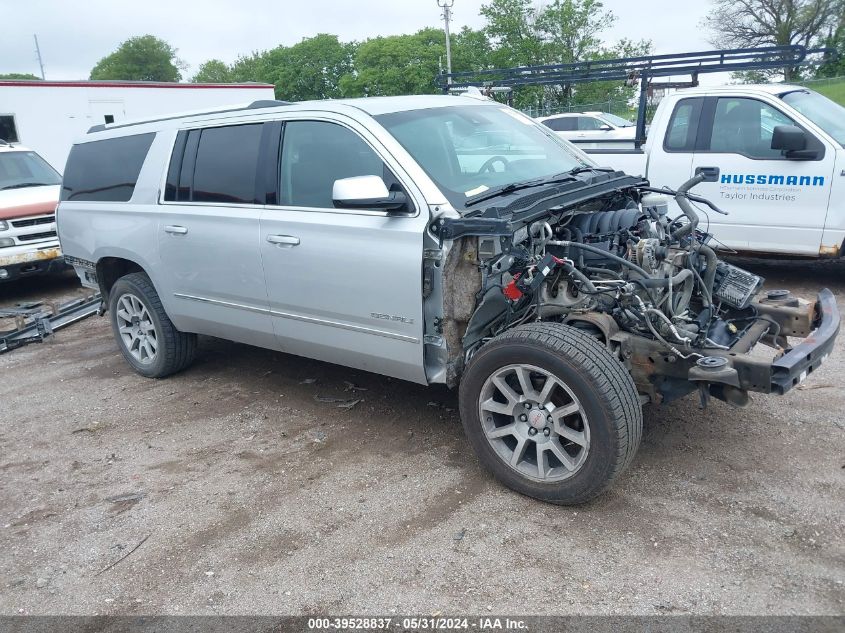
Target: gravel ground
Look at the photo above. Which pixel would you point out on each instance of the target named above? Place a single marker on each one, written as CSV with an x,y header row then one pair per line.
x,y
231,489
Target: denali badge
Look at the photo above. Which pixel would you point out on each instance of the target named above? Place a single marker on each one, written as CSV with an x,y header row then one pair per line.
x,y
391,317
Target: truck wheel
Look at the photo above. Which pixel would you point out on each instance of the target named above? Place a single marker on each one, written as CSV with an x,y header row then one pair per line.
x,y
144,333
551,412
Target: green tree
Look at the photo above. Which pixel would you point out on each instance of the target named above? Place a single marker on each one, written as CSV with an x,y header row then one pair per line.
x,y
310,69
471,50
564,31
213,71
19,76
143,58
396,65
747,23
511,28
834,65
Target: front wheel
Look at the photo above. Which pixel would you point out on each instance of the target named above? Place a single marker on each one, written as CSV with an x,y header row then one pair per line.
x,y
551,412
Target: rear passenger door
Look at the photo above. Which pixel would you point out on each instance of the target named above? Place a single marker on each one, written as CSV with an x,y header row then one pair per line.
x,y
344,286
208,231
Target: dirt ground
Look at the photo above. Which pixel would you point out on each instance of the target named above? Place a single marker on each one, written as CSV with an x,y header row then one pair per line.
x,y
231,488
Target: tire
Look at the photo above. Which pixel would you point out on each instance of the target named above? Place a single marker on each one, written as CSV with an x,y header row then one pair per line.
x,y
586,430
148,340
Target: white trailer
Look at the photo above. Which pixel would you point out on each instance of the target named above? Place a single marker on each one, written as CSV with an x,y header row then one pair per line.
x,y
48,116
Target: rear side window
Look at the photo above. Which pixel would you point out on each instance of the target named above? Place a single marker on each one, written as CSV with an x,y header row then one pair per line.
x,y
8,129
218,164
105,171
683,126
563,124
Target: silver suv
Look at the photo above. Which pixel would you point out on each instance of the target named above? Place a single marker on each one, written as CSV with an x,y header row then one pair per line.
x,y
434,239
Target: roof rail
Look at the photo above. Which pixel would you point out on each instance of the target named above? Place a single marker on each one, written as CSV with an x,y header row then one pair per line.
x,y
267,103
255,105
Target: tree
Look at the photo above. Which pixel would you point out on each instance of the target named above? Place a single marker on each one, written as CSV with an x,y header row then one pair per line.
x,y
749,23
512,33
564,31
213,71
19,76
834,65
310,69
143,58
396,65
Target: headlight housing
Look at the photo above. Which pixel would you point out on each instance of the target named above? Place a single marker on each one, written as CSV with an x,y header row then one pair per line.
x,y
4,226
6,241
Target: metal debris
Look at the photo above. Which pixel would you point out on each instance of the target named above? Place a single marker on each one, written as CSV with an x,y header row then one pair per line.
x,y
126,555
36,321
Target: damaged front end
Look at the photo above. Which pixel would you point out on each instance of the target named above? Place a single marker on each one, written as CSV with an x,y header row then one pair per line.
x,y
598,251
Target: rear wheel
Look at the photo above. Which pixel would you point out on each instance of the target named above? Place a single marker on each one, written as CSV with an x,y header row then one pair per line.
x,y
551,412
147,338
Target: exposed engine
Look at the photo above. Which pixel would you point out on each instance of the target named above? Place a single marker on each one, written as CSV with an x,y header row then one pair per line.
x,y
654,276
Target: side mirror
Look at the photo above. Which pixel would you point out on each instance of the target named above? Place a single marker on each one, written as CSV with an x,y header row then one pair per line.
x,y
605,128
366,192
792,141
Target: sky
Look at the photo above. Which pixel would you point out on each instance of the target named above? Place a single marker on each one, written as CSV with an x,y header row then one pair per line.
x,y
75,34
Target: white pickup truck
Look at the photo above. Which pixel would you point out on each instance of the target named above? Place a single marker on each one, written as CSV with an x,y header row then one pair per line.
x,y
780,152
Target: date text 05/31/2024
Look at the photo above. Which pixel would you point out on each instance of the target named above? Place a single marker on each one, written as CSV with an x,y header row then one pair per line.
x,y
416,623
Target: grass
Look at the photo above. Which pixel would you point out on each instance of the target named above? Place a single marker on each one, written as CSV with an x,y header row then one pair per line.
x,y
833,89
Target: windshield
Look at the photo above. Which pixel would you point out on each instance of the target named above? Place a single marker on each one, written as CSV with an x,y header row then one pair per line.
x,y
467,150
618,121
25,169
828,115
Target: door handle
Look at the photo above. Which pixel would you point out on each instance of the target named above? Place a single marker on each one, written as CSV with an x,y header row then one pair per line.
x,y
174,229
283,240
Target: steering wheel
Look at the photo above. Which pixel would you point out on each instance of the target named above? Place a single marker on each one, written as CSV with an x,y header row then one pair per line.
x,y
488,164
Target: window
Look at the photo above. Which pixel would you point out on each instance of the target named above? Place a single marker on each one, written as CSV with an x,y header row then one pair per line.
x,y
589,123
19,170
683,126
105,170
468,149
562,124
8,129
828,115
315,154
745,126
227,164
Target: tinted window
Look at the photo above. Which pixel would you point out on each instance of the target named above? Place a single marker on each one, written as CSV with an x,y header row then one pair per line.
x,y
226,164
19,170
105,170
8,130
315,154
683,126
745,126
563,124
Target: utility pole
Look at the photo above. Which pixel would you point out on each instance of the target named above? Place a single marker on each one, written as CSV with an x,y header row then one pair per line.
x,y
447,5
38,52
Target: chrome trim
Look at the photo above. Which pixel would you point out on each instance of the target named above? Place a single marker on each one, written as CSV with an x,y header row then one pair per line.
x,y
346,326
300,317
225,304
